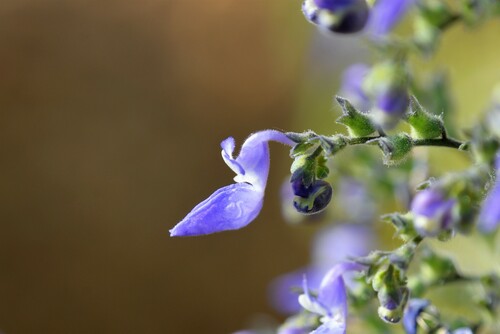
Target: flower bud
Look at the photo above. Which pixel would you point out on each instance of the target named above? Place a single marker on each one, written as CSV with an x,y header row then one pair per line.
x,y
358,124
395,148
423,125
347,16
432,212
311,199
387,84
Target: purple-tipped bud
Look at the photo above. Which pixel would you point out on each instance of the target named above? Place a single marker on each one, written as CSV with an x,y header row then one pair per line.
x,y
432,212
342,16
312,199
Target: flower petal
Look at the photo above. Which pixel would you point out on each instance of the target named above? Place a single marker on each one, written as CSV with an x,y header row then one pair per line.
x,y
229,208
254,156
227,146
352,85
335,244
413,310
386,14
489,218
332,292
330,328
281,293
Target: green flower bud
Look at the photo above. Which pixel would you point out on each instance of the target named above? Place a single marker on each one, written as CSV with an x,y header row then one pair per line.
x,y
358,124
424,125
395,148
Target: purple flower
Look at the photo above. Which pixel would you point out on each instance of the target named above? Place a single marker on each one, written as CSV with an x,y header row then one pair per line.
x,y
386,14
235,206
463,330
432,212
394,102
331,246
342,16
331,302
352,86
413,310
489,217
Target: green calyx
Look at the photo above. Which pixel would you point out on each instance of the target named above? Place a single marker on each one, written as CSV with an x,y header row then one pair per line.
x,y
424,125
358,124
395,148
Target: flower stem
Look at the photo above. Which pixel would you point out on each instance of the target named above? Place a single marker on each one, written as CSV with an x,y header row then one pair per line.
x,y
443,142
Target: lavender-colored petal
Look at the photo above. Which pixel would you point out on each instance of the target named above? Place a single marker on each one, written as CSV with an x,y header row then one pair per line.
x,y
227,146
393,102
332,292
413,310
254,156
293,331
282,296
330,327
386,14
463,330
432,211
352,86
335,244
489,218
331,246
229,208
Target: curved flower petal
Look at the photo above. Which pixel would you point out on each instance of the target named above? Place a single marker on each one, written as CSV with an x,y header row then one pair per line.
x,y
386,14
413,310
229,208
254,156
331,302
332,292
281,294
227,146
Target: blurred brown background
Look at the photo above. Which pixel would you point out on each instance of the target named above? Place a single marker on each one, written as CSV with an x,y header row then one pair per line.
x,y
111,114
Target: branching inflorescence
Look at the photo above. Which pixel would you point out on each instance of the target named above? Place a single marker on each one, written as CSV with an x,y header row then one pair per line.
x,y
379,108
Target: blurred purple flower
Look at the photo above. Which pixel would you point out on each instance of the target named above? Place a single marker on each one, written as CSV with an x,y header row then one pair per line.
x,y
331,302
463,330
235,206
354,194
331,246
352,86
394,102
432,212
412,311
386,14
489,217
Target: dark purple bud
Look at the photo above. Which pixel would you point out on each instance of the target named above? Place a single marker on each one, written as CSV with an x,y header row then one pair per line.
x,y
432,212
342,16
312,199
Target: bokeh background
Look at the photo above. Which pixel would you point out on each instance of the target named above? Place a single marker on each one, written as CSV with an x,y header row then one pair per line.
x,y
111,114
